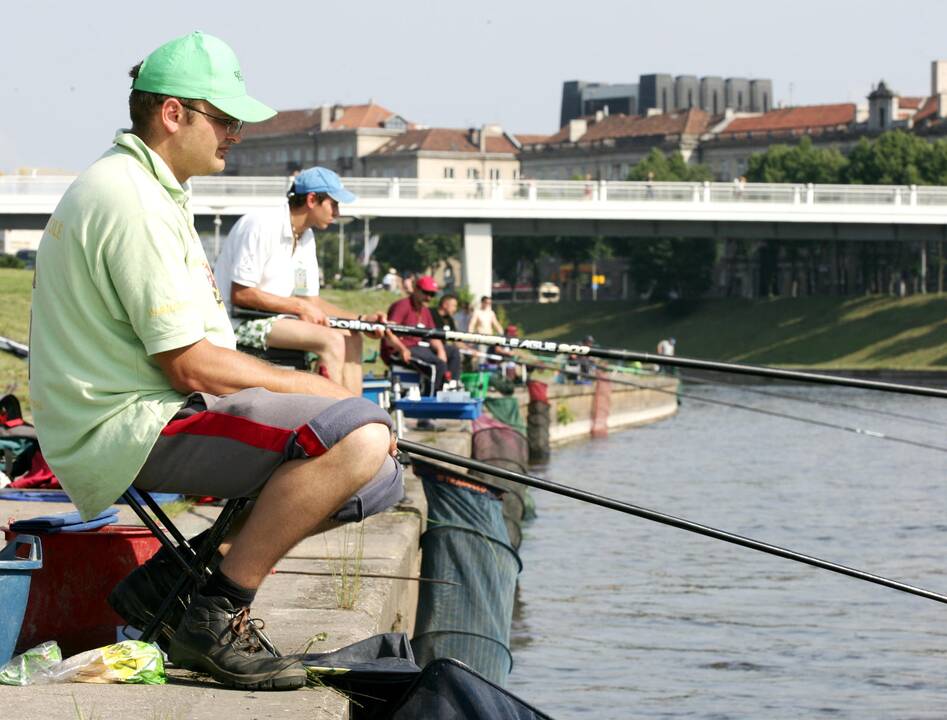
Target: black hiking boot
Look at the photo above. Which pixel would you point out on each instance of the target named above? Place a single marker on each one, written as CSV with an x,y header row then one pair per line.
x,y
138,597
216,638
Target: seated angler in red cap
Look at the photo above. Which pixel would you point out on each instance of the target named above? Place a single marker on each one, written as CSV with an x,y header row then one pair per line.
x,y
413,310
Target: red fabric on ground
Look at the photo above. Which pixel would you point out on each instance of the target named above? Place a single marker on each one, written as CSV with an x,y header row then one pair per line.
x,y
39,476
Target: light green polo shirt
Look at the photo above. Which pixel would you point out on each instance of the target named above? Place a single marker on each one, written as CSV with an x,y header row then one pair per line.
x,y
120,275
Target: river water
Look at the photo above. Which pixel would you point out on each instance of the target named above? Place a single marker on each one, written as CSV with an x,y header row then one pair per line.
x,y
620,617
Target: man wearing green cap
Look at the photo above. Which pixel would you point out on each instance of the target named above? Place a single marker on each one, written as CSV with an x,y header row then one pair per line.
x,y
135,379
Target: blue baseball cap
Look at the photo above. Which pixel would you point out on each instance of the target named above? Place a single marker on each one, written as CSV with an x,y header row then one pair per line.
x,y
321,180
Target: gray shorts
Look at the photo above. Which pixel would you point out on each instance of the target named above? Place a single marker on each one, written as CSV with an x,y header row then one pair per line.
x,y
229,446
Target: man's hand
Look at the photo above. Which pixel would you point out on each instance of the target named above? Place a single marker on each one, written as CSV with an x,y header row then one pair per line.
x,y
310,313
405,355
393,447
378,317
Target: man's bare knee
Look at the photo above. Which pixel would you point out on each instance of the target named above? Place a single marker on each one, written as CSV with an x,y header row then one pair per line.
x,y
363,451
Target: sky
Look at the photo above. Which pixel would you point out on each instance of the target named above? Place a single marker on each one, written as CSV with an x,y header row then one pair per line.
x,y
64,83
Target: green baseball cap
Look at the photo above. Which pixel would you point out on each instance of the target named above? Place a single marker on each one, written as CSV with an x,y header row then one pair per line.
x,y
201,67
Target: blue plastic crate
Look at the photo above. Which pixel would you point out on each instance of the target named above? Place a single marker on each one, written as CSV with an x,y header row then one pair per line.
x,y
375,389
432,408
15,573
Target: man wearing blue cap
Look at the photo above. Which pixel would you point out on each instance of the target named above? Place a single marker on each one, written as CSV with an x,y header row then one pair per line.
x,y
135,379
269,263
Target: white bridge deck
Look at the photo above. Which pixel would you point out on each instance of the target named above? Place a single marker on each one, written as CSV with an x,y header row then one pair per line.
x,y
489,201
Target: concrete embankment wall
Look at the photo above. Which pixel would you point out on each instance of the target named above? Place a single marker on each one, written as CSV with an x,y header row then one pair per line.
x,y
654,400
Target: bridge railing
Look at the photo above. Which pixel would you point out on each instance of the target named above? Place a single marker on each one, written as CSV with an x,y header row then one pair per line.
x,y
16,187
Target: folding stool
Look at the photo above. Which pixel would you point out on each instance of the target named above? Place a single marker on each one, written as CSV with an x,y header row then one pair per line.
x,y
194,562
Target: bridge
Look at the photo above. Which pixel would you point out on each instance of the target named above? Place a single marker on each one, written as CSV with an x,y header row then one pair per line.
x,y
482,209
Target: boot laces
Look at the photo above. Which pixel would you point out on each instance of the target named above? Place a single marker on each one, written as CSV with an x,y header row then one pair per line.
x,y
245,631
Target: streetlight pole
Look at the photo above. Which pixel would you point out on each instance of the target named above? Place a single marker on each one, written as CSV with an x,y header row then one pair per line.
x,y
342,222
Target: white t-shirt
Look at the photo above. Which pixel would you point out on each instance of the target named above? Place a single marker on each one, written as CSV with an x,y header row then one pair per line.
x,y
258,252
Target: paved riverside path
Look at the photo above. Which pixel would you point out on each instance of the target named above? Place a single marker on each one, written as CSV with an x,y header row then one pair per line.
x,y
296,607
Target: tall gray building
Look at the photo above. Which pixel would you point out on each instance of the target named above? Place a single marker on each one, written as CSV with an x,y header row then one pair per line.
x,y
660,92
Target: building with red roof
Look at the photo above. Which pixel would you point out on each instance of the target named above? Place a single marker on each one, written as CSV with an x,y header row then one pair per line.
x,y
484,153
334,136
606,147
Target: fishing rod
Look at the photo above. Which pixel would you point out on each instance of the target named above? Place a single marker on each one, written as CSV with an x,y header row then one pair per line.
x,y
680,523
815,401
559,348
748,408
14,348
784,396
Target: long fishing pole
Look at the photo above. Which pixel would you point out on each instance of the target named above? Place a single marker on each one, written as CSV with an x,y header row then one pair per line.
x,y
749,408
783,396
557,348
815,401
645,513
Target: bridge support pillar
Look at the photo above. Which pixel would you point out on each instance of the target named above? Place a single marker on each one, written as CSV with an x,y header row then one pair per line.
x,y
478,258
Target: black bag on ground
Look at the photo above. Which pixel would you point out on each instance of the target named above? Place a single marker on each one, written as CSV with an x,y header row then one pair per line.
x,y
374,672
18,436
449,689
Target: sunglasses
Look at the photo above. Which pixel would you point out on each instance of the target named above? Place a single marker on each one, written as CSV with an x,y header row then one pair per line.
x,y
232,125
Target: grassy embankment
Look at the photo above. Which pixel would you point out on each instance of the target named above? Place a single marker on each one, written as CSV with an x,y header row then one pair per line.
x,y
866,333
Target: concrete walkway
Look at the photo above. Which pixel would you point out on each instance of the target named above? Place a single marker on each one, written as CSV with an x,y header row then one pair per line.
x,y
299,603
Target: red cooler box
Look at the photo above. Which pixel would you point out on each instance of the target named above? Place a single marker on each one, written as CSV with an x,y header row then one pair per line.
x,y
68,594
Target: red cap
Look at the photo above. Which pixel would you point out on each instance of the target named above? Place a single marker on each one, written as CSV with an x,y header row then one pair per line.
x,y
427,284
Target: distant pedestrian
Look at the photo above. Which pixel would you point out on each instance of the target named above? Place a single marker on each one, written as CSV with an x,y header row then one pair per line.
x,y
666,348
390,280
483,320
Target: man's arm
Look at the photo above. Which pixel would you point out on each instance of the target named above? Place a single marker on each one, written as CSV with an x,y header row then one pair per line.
x,y
256,299
205,367
496,323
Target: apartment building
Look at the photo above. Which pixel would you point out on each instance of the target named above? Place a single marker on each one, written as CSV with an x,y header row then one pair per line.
x,y
336,136
484,153
606,147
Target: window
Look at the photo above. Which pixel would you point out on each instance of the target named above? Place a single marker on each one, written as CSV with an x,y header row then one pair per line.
x,y
664,100
739,101
690,98
516,174
473,174
448,173
494,173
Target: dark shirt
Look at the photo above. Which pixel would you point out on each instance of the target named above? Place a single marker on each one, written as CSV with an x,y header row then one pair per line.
x,y
402,312
445,321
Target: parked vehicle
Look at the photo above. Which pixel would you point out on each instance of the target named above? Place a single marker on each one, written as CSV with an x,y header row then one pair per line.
x,y
548,293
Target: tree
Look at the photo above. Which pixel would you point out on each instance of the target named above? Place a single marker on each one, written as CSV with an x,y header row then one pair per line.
x,y
898,158
513,255
668,168
576,250
668,267
801,163
410,253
